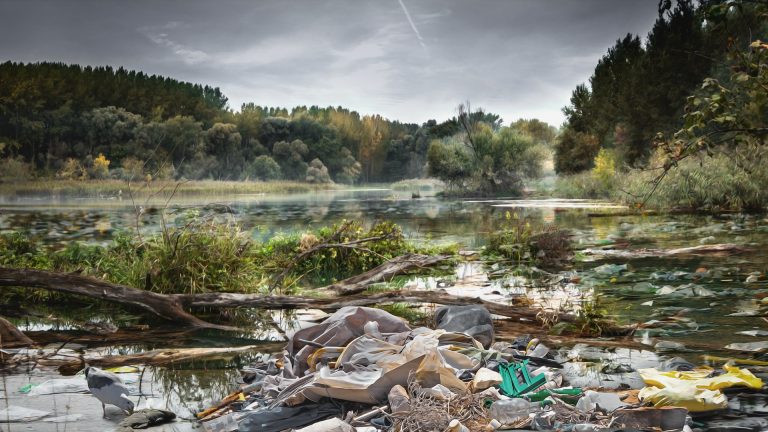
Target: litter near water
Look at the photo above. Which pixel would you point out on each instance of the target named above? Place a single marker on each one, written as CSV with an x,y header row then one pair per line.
x,y
363,369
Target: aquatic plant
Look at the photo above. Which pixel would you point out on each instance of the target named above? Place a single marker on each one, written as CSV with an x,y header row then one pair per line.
x,y
512,239
211,254
517,240
19,250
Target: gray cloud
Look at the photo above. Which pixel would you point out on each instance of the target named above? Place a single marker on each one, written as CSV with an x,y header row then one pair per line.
x,y
405,59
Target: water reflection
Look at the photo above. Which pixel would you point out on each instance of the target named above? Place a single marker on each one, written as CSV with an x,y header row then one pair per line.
x,y
467,222
700,302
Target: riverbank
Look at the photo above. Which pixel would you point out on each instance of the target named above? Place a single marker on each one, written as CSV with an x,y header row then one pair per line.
x,y
124,189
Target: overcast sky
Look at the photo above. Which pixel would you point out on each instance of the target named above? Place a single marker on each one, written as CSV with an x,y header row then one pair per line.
x,y
410,60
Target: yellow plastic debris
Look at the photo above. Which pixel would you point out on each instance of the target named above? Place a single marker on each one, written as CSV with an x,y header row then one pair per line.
x,y
123,369
695,390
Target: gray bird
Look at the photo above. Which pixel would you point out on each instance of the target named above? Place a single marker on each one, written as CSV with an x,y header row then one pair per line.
x,y
108,389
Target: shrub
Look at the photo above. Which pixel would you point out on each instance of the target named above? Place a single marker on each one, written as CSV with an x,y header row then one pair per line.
x,y
517,240
600,182
263,168
724,182
18,250
72,170
317,172
133,169
100,168
14,170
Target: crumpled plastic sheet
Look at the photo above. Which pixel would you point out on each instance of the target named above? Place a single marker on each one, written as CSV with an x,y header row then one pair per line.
x,y
338,330
18,414
372,363
694,390
473,320
282,418
60,385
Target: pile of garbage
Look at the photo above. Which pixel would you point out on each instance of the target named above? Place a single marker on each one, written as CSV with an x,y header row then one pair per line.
x,y
365,370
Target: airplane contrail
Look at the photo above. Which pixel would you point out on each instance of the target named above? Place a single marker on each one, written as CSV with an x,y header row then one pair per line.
x,y
413,26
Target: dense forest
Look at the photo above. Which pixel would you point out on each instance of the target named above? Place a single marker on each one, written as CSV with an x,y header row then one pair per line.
x,y
640,88
79,122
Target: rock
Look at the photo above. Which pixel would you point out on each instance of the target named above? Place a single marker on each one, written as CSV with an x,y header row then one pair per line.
x,y
473,320
399,402
144,419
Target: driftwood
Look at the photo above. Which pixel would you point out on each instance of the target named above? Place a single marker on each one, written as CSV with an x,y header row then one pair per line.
x,y
334,242
151,358
166,307
714,249
516,309
394,267
10,336
172,306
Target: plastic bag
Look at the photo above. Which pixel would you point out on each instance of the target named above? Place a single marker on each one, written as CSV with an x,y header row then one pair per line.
x,y
700,378
694,390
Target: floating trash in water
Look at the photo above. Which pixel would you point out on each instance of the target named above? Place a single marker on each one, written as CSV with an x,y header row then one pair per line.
x,y
611,269
753,333
748,346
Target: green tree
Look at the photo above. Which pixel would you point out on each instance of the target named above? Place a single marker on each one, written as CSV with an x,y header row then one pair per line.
x,y
317,172
224,144
262,168
290,156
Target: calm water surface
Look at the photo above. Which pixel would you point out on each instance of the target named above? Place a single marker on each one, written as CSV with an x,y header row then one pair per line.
x,y
702,310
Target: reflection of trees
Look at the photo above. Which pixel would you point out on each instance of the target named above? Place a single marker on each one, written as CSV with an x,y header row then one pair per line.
x,y
189,388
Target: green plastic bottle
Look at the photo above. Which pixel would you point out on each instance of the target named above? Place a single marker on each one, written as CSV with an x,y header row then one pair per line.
x,y
570,393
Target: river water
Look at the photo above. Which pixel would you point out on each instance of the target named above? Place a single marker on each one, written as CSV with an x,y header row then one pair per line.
x,y
700,301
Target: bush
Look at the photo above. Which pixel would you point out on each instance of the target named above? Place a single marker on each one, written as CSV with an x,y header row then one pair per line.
x,y
735,182
317,172
583,185
14,170
100,167
600,182
72,170
263,168
133,169
486,161
512,240
18,250
516,240
328,265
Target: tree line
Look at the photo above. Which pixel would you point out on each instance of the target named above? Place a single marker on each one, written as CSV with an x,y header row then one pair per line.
x,y
640,90
81,122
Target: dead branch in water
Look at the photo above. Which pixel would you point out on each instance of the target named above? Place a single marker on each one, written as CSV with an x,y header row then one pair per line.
x,y
166,307
70,364
10,336
332,243
516,309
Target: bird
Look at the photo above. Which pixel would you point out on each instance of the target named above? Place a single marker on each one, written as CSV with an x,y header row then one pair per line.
x,y
108,389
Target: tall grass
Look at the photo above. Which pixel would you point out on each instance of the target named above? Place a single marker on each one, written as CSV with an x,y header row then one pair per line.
x,y
212,255
734,181
718,183
110,187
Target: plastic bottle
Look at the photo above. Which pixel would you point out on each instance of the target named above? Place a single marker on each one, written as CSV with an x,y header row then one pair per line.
x,y
539,396
456,426
509,411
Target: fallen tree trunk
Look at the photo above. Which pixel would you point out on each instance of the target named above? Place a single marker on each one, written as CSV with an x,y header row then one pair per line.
x,y
517,309
166,307
172,306
67,365
394,267
715,249
10,336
